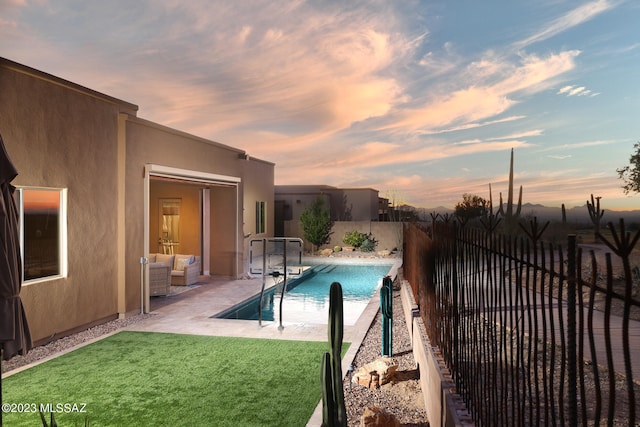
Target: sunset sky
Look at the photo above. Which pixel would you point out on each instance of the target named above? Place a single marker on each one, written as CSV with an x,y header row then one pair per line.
x,y
420,99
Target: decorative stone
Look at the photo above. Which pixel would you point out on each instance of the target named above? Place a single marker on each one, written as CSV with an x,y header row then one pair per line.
x,y
384,253
370,380
376,417
377,373
326,252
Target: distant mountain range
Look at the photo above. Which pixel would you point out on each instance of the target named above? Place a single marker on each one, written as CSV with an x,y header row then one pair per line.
x,y
577,214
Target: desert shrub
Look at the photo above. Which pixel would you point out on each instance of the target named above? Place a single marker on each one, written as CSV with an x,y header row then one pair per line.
x,y
354,238
337,248
316,223
369,244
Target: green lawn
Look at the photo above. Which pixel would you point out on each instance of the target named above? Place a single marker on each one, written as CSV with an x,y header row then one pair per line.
x,y
144,379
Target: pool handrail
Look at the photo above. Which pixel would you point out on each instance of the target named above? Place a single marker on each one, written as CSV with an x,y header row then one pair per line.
x,y
276,273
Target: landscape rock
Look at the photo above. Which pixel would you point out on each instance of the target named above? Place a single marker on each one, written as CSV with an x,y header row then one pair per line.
x,y
370,380
376,417
377,373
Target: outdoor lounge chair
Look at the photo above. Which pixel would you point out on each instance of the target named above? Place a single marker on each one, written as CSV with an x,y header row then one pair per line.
x,y
159,279
184,269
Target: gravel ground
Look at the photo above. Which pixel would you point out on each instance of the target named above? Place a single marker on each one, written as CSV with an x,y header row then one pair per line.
x,y
403,397
64,344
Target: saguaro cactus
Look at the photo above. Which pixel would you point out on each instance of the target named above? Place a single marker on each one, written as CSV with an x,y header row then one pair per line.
x,y
333,409
329,410
510,216
595,214
386,307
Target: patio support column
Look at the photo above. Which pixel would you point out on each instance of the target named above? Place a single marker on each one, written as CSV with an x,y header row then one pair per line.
x,y
120,255
206,232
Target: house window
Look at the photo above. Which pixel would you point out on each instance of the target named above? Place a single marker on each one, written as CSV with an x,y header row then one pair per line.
x,y
43,232
261,221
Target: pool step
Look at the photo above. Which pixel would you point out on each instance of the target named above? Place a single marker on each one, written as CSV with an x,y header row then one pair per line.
x,y
324,269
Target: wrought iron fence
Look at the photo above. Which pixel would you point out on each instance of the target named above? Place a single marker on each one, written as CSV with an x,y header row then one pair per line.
x,y
533,333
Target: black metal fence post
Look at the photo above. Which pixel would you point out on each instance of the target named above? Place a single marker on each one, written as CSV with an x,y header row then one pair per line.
x,y
572,371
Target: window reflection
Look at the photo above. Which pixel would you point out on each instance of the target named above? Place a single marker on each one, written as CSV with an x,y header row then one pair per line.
x,y
261,222
41,233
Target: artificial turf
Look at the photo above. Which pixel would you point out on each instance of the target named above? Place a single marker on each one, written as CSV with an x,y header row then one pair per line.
x,y
144,379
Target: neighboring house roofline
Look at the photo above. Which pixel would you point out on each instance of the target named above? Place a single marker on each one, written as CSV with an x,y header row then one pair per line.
x,y
359,188
7,63
286,188
300,189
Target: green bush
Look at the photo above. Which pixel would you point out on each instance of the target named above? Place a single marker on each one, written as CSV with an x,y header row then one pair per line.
x,y
337,248
316,223
354,238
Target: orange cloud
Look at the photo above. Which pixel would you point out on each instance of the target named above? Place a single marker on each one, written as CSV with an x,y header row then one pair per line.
x,y
484,100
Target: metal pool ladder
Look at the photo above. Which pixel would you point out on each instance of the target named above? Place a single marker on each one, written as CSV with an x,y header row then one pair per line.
x,y
275,262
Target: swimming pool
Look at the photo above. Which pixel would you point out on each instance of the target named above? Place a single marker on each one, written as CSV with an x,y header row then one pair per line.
x,y
307,298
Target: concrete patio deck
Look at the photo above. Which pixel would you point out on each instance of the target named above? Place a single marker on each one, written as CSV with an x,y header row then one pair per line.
x,y
190,312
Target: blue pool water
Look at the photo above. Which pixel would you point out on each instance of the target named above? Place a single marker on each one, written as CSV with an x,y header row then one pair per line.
x,y
307,298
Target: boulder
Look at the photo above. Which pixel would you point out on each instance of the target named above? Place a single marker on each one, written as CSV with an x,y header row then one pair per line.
x,y
377,373
376,417
367,379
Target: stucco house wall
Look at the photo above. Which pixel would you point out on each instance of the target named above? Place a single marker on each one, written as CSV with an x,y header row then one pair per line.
x,y
362,204
257,187
345,204
62,135
388,235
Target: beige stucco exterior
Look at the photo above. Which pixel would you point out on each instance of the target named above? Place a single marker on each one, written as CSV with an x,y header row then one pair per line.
x,y
62,135
344,204
388,235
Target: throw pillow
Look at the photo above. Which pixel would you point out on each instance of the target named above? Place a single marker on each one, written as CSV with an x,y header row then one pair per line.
x,y
181,263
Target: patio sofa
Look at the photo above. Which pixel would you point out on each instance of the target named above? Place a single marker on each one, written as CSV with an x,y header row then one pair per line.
x,y
185,269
